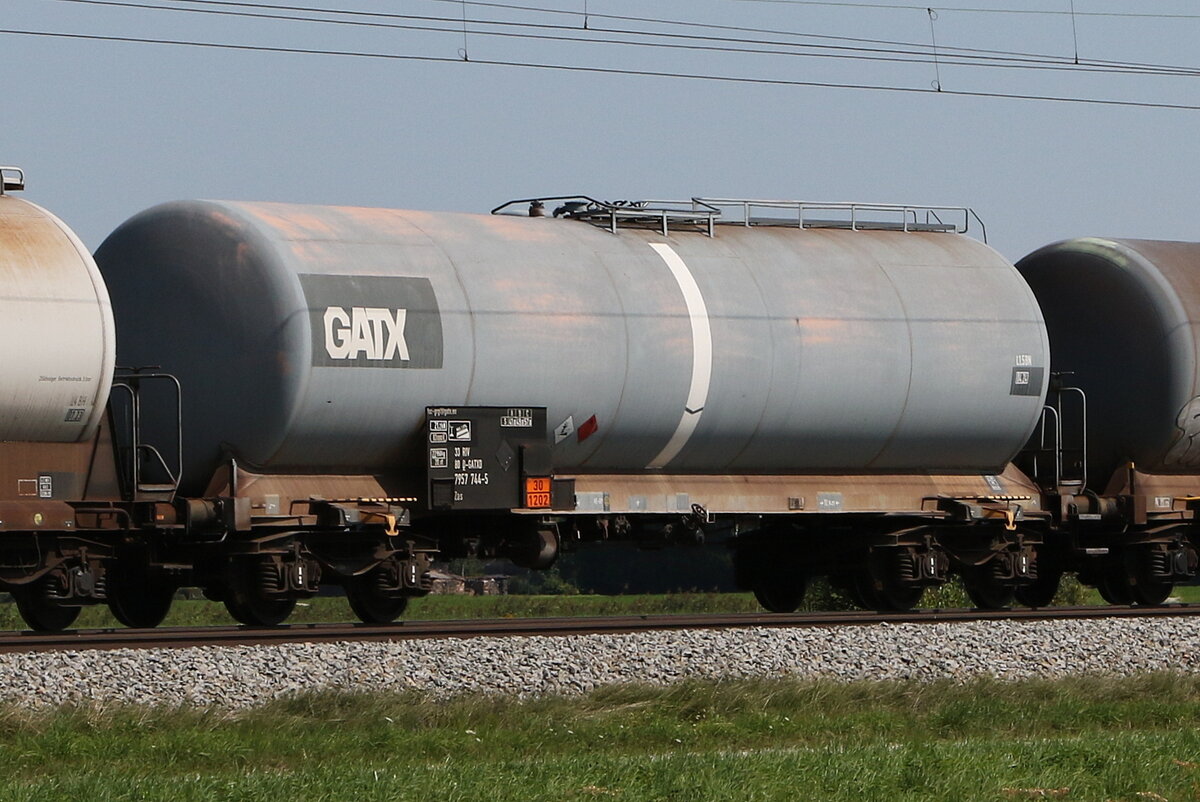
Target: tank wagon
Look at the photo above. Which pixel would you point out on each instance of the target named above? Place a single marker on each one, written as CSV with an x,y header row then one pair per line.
x,y
855,391
652,382
1114,453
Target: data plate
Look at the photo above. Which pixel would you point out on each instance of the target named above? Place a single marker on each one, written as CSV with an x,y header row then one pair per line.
x,y
477,457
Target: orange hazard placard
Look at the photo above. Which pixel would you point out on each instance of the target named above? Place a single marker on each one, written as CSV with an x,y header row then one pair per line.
x,y
537,491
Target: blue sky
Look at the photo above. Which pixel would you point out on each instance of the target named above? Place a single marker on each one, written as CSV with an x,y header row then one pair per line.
x,y
105,128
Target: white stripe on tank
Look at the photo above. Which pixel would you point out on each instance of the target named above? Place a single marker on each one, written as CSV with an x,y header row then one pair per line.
x,y
701,355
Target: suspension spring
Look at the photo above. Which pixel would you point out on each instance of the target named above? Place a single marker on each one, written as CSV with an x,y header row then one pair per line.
x,y
1158,563
268,577
382,578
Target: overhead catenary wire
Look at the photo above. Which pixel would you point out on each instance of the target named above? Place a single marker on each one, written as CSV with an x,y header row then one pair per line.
x,y
717,26
463,52
228,46
969,10
937,70
1074,32
915,53
1051,61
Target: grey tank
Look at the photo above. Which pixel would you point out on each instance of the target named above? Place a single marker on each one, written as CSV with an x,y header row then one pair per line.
x,y
311,339
1123,318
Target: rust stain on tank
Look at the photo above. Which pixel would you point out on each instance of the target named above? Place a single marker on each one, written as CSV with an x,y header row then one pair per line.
x,y
32,247
283,363
822,330
518,229
244,254
223,218
375,216
292,222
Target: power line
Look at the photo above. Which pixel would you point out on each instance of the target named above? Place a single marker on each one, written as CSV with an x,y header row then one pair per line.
x,y
966,10
576,14
598,70
715,26
911,46
917,54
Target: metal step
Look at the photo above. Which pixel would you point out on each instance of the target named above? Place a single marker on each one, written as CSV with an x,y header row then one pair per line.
x,y
152,488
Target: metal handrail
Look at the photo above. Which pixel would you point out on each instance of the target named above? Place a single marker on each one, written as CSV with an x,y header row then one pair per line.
x,y
130,383
1052,413
1056,450
11,178
910,214
1083,429
709,211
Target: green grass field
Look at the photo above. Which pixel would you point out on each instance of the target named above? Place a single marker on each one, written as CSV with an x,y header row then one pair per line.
x,y
200,612
1085,739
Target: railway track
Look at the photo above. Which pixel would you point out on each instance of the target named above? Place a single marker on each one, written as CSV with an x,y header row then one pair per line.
x,y
182,637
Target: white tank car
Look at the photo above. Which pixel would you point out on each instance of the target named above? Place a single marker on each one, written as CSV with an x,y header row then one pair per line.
x,y
57,328
311,339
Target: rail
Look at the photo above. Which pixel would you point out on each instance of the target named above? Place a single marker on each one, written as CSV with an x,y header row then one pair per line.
x,y
704,214
184,637
1081,478
12,179
850,214
1051,424
137,451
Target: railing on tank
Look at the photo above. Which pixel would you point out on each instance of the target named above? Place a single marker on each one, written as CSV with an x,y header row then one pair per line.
x,y
704,214
145,472
12,179
847,214
1050,455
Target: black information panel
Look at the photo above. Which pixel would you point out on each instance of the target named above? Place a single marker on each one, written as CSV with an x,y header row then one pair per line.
x,y
480,456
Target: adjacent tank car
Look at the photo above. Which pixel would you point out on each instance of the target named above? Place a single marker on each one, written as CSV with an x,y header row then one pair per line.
x,y
334,396
1115,452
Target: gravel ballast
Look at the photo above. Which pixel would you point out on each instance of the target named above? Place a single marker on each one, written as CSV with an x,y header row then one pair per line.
x,y
236,677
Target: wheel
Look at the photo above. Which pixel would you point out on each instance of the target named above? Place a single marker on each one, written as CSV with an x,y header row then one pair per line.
x,y
899,598
1151,593
780,595
255,611
137,600
370,604
1040,592
985,590
41,614
246,602
1114,586
861,589
1146,589
885,596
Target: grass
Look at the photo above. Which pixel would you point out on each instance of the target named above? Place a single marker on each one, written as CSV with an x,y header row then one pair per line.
x,y
1188,594
200,612
1133,739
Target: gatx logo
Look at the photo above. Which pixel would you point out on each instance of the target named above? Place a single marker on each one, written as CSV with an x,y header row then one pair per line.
x,y
370,332
373,321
